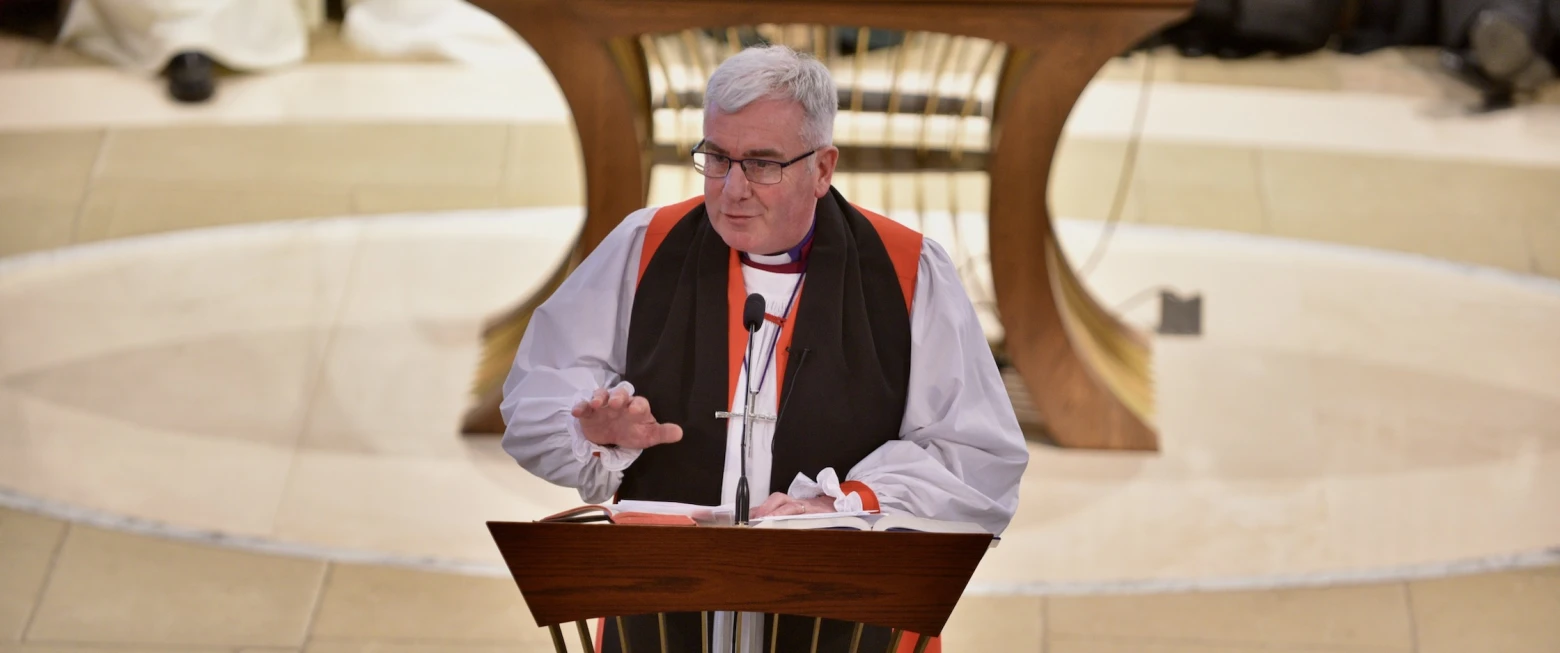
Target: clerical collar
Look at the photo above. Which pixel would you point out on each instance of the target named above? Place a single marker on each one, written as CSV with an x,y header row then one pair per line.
x,y
791,261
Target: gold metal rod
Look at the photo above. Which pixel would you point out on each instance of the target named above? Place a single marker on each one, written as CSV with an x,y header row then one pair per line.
x,y
661,619
855,637
704,632
657,59
920,643
736,629
857,62
774,636
585,642
623,634
893,641
899,68
694,53
858,86
557,637
817,625
956,147
934,93
654,48
899,56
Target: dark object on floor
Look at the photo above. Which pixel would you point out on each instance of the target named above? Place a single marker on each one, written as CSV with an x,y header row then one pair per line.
x,y
36,19
1503,48
192,77
1378,24
1236,29
1179,317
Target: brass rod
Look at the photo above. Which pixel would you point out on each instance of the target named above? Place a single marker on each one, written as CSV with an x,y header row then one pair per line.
x,y
694,53
893,641
857,62
857,83
920,643
774,636
661,619
623,634
855,637
899,56
956,148
817,624
704,632
934,93
557,638
673,94
585,642
736,630
653,49
899,67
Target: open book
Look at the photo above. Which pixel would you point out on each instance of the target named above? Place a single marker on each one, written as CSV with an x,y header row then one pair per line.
x,y
661,513
869,522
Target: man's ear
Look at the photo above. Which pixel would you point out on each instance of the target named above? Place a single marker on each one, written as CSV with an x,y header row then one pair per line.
x,y
828,158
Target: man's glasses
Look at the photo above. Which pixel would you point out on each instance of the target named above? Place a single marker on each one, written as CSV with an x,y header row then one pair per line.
x,y
758,171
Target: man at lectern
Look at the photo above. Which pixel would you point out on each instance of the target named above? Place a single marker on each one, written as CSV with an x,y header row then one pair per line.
x,y
874,386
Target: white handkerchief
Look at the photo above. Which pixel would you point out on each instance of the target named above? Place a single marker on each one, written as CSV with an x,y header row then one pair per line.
x,y
828,484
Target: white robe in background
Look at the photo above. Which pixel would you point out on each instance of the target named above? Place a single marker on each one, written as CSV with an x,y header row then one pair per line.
x,y
253,35
959,457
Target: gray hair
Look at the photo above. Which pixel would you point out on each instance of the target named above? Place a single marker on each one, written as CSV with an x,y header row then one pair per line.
x,y
776,72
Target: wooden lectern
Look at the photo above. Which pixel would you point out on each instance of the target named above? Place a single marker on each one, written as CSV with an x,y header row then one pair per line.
x,y
900,586
1086,372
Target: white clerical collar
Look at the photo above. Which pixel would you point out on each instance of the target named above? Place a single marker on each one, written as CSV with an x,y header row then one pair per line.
x,y
770,259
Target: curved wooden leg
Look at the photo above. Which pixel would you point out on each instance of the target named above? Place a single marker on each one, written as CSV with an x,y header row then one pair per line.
x,y
1087,373
607,87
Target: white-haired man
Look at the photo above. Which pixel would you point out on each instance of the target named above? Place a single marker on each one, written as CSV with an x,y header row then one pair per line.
x,y
877,384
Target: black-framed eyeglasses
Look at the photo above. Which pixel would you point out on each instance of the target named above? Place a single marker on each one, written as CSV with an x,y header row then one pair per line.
x,y
758,171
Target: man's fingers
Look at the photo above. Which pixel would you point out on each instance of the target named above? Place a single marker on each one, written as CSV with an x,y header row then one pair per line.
x,y
639,408
793,508
598,398
668,433
618,400
770,505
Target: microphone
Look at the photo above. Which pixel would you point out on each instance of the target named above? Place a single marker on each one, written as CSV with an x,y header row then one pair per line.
x,y
752,318
753,313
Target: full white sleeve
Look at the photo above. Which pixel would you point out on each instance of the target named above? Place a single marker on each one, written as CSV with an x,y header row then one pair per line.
x,y
575,343
961,454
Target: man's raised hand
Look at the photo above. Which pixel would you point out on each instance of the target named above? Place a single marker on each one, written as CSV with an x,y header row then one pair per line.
x,y
616,419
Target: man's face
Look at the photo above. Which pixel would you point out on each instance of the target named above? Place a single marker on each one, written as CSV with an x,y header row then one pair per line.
x,y
764,218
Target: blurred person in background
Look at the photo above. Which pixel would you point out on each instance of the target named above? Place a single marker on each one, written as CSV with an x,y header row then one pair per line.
x,y
186,40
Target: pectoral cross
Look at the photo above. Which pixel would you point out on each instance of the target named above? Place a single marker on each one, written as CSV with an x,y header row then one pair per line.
x,y
761,417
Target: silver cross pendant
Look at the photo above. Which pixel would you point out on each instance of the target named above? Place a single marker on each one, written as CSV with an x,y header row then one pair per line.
x,y
738,415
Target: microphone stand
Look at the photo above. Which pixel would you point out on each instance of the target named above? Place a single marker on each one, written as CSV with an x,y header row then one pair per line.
x,y
748,407
752,318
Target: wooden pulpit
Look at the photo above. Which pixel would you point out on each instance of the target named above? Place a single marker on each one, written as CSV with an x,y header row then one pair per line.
x,y
906,582
1087,374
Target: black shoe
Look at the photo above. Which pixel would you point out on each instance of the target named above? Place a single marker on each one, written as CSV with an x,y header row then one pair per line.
x,y
191,77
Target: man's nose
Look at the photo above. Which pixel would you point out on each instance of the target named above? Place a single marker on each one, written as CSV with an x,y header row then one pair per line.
x,y
737,184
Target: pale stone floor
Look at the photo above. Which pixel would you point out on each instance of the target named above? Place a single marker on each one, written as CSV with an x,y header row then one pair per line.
x,y
76,587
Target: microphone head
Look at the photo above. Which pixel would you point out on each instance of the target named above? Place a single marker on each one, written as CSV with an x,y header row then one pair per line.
x,y
753,312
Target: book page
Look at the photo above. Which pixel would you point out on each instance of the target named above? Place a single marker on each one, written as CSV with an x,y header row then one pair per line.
x,y
708,515
813,515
